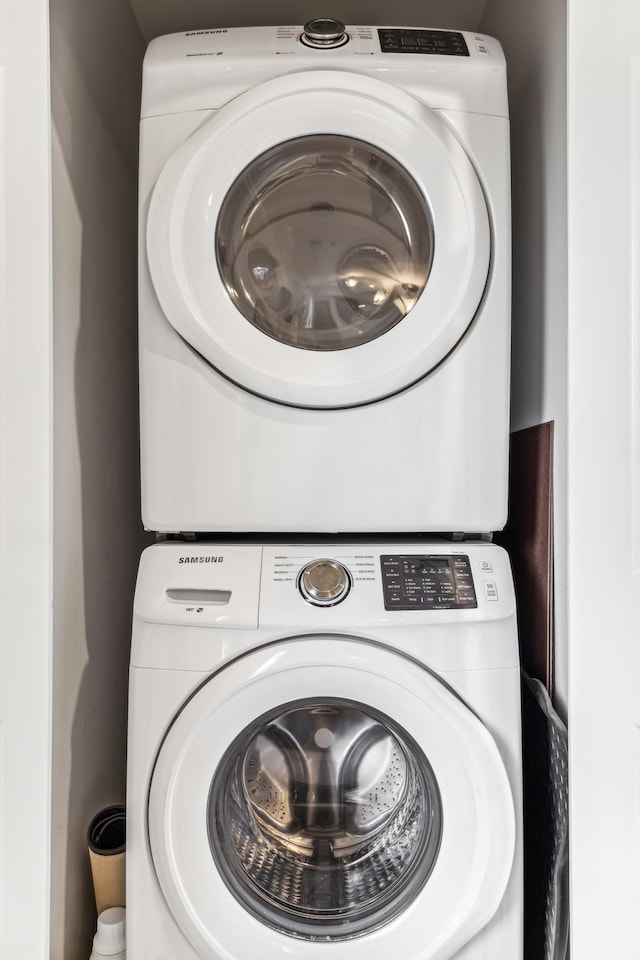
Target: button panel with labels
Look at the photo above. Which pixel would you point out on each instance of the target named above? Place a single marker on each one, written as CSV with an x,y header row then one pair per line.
x,y
443,42
427,582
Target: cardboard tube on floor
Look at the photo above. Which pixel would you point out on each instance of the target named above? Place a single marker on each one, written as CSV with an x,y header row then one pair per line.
x,y
106,838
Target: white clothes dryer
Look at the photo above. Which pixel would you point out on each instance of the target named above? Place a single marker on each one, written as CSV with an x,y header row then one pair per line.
x,y
324,753
324,281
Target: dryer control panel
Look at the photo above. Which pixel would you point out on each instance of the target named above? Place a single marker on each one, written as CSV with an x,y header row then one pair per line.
x,y
427,582
439,42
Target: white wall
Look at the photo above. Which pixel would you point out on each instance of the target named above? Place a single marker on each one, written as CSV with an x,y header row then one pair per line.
x,y
168,16
604,476
96,52
534,37
25,479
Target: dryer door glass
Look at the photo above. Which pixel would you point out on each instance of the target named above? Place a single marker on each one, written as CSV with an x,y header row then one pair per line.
x,y
325,819
324,242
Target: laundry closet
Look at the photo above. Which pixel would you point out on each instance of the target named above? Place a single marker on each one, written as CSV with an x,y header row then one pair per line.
x,y
574,92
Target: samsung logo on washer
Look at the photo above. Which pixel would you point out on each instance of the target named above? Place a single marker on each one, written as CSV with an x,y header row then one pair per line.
x,y
209,559
203,33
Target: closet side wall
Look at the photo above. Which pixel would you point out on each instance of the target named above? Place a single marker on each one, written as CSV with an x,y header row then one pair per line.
x,y
96,61
534,37
604,477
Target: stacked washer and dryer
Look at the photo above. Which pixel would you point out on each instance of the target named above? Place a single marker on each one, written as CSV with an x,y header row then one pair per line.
x,y
324,732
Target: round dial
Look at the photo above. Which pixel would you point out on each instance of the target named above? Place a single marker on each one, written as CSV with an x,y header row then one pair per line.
x,y
324,32
324,582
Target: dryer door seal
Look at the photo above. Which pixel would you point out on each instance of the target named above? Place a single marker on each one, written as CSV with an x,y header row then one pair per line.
x,y
241,719
420,267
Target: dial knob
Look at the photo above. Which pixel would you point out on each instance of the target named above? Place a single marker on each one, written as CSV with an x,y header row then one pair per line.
x,y
324,32
324,582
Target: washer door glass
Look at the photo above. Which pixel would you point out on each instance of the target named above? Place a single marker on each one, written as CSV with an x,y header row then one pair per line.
x,y
325,819
324,242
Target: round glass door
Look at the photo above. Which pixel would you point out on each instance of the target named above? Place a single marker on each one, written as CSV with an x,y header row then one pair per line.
x,y
374,806
324,242
325,819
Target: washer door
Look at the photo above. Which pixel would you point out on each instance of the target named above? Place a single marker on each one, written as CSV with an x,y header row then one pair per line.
x,y
323,241
328,789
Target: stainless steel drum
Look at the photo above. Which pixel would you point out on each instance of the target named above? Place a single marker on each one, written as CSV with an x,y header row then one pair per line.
x,y
325,819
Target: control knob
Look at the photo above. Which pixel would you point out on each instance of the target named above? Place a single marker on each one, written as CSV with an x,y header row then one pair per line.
x,y
324,582
324,32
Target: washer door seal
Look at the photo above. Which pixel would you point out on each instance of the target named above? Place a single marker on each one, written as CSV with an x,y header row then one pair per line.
x,y
182,240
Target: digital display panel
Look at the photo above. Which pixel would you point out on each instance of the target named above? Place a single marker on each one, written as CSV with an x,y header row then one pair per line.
x,y
427,582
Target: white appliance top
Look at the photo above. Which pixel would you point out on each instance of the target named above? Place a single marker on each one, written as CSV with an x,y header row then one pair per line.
x,y
204,69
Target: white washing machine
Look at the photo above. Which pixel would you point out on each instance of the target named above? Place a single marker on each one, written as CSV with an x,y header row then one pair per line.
x,y
324,281
324,753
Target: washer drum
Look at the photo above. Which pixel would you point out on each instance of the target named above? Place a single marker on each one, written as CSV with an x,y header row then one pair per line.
x,y
325,819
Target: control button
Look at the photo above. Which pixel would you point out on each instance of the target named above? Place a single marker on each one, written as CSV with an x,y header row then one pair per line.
x,y
324,32
490,590
324,582
485,566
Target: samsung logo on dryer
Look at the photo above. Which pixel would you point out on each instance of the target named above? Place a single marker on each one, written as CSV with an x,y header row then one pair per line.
x,y
203,33
209,559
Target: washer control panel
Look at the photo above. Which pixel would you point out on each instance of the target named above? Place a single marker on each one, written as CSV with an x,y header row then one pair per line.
x,y
427,582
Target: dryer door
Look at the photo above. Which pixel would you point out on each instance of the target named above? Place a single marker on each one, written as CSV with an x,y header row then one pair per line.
x,y
323,241
329,790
